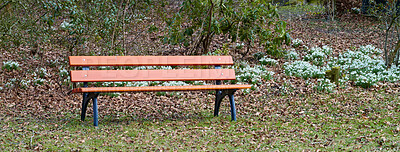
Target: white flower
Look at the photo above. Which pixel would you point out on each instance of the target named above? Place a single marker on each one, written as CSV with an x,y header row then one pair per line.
x,y
302,69
268,61
66,24
292,55
297,42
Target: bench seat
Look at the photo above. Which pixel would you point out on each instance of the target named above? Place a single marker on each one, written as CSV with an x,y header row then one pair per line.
x,y
160,88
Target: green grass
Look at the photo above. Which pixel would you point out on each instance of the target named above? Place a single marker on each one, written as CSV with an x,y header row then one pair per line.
x,y
361,121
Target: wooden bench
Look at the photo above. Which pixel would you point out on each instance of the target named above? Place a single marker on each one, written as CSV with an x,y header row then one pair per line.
x,y
217,74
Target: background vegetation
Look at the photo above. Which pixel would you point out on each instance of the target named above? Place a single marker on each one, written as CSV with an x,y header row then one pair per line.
x,y
283,50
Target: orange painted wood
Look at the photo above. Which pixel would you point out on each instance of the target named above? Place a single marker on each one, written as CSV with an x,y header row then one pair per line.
x,y
148,60
152,75
159,88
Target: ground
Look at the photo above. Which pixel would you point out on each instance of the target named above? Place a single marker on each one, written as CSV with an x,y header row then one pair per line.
x,y
45,117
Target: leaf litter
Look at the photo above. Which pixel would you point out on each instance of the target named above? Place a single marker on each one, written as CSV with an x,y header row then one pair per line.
x,y
282,113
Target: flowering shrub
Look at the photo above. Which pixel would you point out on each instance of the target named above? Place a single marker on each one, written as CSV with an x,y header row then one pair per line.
x,y
303,69
268,61
10,65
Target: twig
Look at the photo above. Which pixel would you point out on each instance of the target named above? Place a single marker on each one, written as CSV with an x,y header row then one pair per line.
x,y
30,144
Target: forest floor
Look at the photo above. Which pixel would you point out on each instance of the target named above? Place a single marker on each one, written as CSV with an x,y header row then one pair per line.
x,y
46,118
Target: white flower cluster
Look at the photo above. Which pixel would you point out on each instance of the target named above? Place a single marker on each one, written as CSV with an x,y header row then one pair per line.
x,y
317,58
318,55
153,67
370,50
303,69
324,85
10,65
42,72
356,10
292,55
173,83
20,83
66,25
253,75
356,61
150,83
297,42
39,81
325,49
64,75
24,83
239,45
268,61
365,68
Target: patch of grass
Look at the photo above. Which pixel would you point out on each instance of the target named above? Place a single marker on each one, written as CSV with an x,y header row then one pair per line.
x,y
332,122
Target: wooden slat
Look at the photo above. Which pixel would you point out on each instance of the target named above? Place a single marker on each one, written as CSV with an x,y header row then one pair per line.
x,y
159,88
149,60
152,75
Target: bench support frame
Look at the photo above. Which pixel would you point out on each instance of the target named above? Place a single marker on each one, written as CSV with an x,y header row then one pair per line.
x,y
220,94
85,101
86,98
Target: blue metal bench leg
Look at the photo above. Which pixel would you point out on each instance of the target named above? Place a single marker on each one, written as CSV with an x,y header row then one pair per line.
x,y
218,99
85,102
233,108
95,112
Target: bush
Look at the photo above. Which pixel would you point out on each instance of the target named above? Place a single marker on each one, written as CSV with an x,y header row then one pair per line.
x,y
246,21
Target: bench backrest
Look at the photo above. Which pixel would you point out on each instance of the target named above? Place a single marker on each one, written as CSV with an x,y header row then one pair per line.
x,y
151,75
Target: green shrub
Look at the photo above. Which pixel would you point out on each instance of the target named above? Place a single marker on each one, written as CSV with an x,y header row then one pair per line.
x,y
246,21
